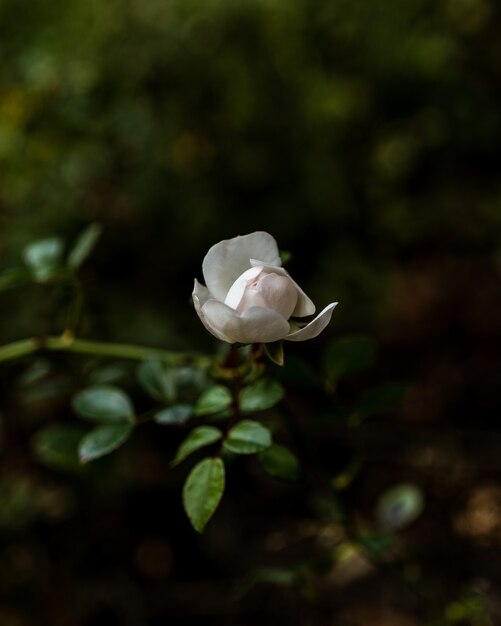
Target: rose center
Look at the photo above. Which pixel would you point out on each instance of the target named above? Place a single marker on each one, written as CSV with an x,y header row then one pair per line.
x,y
256,287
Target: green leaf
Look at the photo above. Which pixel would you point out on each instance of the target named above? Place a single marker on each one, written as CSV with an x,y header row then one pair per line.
x,y
177,414
104,403
157,380
275,352
198,438
13,277
215,399
43,258
399,506
83,245
103,440
380,398
248,437
261,395
57,446
203,491
279,462
347,356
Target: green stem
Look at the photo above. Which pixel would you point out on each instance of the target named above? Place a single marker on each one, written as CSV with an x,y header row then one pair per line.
x,y
67,343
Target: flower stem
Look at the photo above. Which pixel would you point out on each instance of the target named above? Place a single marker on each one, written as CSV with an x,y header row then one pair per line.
x,y
68,343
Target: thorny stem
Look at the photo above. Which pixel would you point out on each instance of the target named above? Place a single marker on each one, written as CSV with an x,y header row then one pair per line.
x,y
67,343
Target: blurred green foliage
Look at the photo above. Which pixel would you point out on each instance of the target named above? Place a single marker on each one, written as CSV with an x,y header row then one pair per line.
x,y
370,129
365,137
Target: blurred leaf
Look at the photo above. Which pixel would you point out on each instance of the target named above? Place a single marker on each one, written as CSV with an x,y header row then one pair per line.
x,y
248,437
43,258
177,414
271,575
203,491
285,256
34,373
103,440
275,352
13,277
157,380
261,395
279,462
399,506
213,400
104,403
107,374
347,356
378,544
380,398
198,438
83,245
346,477
57,446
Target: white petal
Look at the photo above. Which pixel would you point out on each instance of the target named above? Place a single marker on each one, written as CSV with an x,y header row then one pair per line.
x,y
271,291
237,290
200,296
304,305
227,259
315,327
256,325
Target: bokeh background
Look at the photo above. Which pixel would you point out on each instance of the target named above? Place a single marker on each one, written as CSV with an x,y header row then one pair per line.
x,y
365,137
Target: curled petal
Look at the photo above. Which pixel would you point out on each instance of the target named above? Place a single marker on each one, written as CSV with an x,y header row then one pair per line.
x,y
315,327
228,259
200,296
304,305
255,325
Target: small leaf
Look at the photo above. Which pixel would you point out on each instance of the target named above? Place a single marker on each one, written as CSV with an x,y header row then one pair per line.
x,y
203,491
198,438
275,352
177,414
83,245
399,506
380,398
103,440
104,403
43,258
279,462
157,380
215,399
347,356
261,395
248,437
57,446
13,277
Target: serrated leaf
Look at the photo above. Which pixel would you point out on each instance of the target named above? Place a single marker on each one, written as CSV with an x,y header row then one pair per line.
x,y
275,352
157,380
380,398
347,356
279,462
57,446
215,399
103,440
43,258
198,438
176,414
104,403
83,245
248,437
261,395
399,506
203,491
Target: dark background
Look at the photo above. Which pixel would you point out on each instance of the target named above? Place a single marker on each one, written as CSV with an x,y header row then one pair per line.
x,y
365,137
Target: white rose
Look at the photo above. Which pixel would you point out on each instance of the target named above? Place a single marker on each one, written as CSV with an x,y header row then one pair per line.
x,y
249,297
